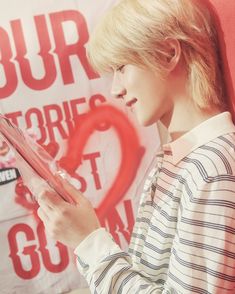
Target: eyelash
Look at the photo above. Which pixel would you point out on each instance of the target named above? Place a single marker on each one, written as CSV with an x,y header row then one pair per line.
x,y
120,68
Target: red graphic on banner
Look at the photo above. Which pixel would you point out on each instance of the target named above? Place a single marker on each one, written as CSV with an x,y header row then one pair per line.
x,y
4,149
58,121
34,251
39,250
62,52
131,150
58,118
52,149
115,223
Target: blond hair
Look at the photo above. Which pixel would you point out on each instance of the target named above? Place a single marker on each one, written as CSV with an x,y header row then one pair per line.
x,y
133,32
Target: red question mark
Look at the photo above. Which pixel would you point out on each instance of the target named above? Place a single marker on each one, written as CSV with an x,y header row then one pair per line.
x,y
131,149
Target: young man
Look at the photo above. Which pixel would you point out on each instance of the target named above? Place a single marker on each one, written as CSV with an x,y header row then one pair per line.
x,y
166,65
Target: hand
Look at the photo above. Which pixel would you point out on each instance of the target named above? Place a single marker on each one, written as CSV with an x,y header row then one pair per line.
x,y
65,222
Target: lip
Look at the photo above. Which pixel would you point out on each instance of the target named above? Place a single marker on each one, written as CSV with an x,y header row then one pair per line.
x,y
131,102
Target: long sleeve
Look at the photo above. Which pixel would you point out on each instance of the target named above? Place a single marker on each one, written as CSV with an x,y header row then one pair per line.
x,y
108,269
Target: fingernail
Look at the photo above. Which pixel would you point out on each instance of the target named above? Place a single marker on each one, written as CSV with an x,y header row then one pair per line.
x,y
60,175
40,195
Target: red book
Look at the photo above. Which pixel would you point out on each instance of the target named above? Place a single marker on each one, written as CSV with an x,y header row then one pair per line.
x,y
36,166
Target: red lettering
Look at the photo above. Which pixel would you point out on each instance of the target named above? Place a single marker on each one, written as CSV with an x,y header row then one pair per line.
x,y
28,251
92,158
40,123
129,215
82,181
57,123
63,50
31,252
77,117
56,119
13,116
96,98
47,58
93,104
116,224
68,118
63,252
8,66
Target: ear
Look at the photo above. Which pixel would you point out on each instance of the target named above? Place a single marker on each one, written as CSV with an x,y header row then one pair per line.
x,y
174,53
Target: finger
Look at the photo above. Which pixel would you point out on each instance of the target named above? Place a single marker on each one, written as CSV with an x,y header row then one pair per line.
x,y
50,200
42,198
43,204
42,215
76,195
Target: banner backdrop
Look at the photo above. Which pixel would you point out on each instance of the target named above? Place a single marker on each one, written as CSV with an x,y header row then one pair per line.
x,y
46,88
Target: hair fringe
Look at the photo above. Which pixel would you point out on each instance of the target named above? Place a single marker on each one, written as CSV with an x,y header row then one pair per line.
x,y
133,32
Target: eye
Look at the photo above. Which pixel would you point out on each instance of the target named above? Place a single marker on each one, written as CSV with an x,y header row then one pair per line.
x,y
120,68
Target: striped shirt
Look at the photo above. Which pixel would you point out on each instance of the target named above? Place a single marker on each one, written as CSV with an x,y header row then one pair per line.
x,y
184,236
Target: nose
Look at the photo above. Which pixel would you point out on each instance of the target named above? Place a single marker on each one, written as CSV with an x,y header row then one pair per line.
x,y
117,89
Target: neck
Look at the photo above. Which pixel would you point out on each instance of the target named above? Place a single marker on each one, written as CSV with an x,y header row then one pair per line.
x,y
184,116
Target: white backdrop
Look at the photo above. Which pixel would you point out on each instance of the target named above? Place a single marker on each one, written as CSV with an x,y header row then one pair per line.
x,y
46,84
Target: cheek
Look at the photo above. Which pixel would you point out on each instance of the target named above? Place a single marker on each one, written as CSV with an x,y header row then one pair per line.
x,y
135,81
132,83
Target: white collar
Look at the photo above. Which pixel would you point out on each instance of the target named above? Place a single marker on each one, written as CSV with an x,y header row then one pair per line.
x,y
208,130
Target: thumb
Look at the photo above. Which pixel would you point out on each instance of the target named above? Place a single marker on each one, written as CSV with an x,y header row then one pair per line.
x,y
74,193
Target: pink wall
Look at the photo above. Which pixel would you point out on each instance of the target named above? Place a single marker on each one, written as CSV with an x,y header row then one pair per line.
x,y
225,10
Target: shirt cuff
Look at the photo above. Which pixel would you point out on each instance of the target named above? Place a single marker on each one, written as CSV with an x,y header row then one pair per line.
x,y
94,248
